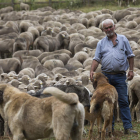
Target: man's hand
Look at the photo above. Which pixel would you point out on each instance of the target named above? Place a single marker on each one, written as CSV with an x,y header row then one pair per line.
x,y
91,76
130,75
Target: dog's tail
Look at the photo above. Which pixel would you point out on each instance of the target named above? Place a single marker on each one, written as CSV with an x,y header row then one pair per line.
x,y
69,98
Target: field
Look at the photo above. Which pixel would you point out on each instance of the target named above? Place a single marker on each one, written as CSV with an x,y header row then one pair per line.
x,y
77,5
118,132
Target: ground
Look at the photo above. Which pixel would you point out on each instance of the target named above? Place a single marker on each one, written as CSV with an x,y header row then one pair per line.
x,y
118,132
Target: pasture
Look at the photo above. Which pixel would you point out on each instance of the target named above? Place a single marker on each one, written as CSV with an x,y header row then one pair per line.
x,y
118,132
122,27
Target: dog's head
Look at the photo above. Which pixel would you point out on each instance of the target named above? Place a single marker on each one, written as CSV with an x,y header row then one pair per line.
x,y
97,77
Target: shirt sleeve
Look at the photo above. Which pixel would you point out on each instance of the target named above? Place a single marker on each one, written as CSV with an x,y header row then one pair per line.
x,y
129,51
97,56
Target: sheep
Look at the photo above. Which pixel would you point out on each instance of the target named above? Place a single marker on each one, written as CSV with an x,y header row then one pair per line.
x,y
50,43
13,24
81,56
23,42
27,71
6,30
44,54
63,57
24,6
24,79
78,26
74,40
6,9
119,14
21,53
15,83
34,32
73,64
24,25
59,70
41,69
6,48
53,63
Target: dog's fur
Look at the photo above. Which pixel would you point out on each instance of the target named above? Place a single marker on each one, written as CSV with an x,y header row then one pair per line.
x,y
33,118
102,104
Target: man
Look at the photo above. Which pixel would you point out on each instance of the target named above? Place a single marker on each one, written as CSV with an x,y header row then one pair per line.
x,y
115,55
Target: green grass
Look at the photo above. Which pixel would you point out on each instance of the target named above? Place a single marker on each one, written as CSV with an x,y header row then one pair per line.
x,y
118,132
113,6
94,6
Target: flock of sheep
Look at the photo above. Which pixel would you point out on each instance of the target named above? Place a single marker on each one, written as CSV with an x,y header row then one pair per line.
x,y
45,47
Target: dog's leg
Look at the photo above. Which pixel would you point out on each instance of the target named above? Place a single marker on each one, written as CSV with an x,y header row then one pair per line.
x,y
93,116
62,125
91,126
106,123
99,126
110,125
18,135
6,128
107,113
77,132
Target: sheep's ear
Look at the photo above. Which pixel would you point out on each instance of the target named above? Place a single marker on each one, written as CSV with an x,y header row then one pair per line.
x,y
1,97
63,35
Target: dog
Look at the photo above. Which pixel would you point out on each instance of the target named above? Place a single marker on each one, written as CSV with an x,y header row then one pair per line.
x,y
102,105
27,117
82,92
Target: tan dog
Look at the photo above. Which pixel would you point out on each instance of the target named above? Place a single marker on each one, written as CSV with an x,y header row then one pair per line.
x,y
102,104
32,118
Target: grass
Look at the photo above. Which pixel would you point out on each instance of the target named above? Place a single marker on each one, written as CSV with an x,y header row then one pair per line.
x,y
118,132
113,6
77,5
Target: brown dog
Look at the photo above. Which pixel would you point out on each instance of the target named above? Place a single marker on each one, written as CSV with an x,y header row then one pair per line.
x,y
102,104
32,118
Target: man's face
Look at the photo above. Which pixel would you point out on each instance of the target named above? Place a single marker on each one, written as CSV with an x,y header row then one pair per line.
x,y
109,29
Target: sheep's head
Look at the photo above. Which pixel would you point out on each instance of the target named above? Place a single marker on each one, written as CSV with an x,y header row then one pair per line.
x,y
65,35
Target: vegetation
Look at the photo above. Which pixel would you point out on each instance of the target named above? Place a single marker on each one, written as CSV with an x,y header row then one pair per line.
x,y
74,4
117,134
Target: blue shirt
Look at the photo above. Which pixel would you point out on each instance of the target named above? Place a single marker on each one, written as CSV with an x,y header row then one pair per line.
x,y
113,58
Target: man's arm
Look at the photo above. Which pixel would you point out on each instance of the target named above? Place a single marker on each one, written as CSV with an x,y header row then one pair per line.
x,y
94,66
131,66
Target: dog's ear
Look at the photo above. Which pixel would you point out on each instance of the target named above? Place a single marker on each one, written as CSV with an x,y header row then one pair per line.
x,y
1,97
94,83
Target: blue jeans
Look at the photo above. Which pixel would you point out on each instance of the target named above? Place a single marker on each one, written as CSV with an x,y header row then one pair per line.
x,y
118,81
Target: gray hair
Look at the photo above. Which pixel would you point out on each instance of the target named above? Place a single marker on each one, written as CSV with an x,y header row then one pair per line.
x,y
107,21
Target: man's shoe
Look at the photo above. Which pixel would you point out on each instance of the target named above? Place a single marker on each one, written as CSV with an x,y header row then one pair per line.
x,y
130,131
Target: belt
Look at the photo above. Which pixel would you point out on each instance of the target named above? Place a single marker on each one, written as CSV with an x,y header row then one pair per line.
x,y
115,72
